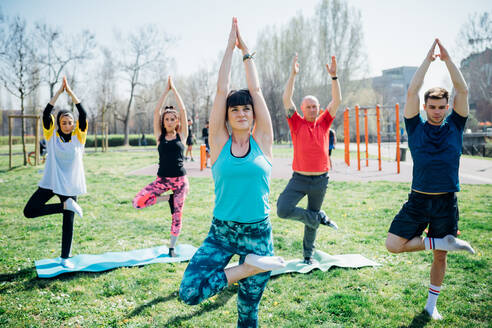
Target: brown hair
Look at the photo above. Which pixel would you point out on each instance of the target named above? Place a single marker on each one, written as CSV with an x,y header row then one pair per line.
x,y
436,93
169,110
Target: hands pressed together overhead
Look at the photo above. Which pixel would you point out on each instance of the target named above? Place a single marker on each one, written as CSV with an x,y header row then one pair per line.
x,y
443,53
65,87
235,39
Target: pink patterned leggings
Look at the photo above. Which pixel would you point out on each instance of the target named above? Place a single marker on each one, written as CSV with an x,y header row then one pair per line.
x,y
148,196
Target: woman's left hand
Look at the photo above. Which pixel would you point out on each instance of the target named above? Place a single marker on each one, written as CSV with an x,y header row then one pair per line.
x,y
240,42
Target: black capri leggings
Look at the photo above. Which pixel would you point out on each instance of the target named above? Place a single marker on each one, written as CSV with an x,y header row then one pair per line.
x,y
36,206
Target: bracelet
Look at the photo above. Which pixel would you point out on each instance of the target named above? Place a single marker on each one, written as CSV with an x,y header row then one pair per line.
x,y
249,56
334,77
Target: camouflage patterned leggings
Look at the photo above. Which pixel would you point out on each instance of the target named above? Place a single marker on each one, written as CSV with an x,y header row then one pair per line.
x,y
205,276
148,196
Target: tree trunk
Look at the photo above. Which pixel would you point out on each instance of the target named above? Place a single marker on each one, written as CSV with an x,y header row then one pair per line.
x,y
23,130
127,117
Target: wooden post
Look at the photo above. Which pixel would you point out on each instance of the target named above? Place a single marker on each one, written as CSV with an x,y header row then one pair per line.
x,y
106,143
357,133
95,137
397,110
10,142
36,140
378,124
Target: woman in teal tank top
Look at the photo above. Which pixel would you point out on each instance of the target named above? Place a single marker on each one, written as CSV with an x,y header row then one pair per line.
x,y
241,167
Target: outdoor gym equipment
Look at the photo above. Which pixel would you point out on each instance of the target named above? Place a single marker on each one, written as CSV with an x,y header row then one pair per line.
x,y
346,132
36,133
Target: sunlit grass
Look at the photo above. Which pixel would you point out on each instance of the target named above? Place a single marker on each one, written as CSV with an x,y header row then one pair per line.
x,y
392,295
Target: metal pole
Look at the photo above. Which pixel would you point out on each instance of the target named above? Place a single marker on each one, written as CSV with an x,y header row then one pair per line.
x,y
346,135
366,129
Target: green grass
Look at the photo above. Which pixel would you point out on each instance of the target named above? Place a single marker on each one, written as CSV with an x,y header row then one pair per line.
x,y
392,295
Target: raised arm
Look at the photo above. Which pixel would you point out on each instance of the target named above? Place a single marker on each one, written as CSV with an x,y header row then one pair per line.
x,y
218,133
460,105
412,106
336,94
157,113
49,107
183,120
80,108
289,105
263,130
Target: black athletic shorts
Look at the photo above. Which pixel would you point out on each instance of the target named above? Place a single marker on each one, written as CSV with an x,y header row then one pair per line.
x,y
189,140
440,212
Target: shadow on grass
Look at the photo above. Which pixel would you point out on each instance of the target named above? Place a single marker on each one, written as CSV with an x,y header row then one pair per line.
x,y
222,298
9,277
160,299
420,320
32,281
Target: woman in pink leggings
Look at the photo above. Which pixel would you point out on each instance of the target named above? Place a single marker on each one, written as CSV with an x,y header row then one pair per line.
x,y
170,128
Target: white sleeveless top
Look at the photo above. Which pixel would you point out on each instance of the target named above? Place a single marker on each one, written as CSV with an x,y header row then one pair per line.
x,y
64,169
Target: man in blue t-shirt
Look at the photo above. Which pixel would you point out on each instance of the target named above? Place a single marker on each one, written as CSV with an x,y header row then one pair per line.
x,y
435,145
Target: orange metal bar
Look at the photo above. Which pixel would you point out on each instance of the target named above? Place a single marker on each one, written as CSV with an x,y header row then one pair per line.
x,y
366,137
378,124
397,119
346,135
203,157
357,133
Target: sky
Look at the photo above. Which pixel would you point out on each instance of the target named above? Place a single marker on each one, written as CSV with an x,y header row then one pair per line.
x,y
396,32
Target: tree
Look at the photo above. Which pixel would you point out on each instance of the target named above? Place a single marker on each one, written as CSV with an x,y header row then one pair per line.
x,y
475,43
57,51
477,70
335,29
18,68
105,95
476,34
141,51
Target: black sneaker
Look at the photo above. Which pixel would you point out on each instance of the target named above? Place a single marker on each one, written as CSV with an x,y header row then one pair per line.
x,y
325,220
171,252
308,260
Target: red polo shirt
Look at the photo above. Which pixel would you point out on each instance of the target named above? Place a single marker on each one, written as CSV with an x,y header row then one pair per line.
x,y
310,140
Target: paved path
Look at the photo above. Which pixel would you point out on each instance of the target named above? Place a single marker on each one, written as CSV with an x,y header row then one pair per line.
x,y
472,171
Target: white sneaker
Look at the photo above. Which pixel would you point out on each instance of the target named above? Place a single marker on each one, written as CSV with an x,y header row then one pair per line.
x,y
72,205
435,315
267,263
66,263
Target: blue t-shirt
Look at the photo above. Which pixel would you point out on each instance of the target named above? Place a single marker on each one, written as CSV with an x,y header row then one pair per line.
x,y
242,185
436,152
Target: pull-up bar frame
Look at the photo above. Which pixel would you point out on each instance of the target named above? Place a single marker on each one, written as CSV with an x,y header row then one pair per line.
x,y
346,129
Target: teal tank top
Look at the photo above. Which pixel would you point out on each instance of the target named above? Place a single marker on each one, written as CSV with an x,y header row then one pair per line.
x,y
242,185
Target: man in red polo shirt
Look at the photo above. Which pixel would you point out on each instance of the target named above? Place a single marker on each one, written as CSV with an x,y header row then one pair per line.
x,y
310,137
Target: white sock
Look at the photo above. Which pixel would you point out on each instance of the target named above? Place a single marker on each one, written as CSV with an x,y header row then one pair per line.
x,y
448,243
430,307
173,241
267,263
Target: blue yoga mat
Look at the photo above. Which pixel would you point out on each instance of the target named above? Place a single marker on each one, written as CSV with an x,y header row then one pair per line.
x,y
49,268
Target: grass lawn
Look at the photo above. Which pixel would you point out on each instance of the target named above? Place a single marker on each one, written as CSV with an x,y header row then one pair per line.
x,y
392,295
